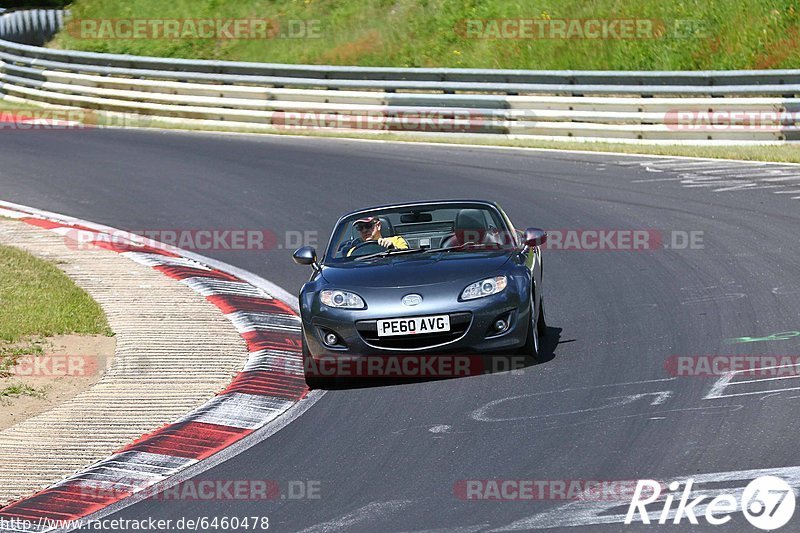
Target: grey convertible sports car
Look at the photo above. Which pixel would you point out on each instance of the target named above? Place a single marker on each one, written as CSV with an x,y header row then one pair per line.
x,y
423,278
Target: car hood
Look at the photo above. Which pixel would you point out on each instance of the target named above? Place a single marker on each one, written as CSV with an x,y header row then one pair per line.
x,y
416,270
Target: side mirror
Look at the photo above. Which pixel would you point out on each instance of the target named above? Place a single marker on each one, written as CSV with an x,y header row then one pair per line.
x,y
534,237
306,255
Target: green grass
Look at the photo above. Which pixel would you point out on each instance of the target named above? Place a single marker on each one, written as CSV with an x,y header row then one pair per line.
x,y
6,105
720,34
37,300
20,389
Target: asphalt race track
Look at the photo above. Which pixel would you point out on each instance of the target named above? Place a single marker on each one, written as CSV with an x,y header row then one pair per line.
x,y
602,407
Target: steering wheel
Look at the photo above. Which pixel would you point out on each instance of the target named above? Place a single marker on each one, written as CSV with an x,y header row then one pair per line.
x,y
366,248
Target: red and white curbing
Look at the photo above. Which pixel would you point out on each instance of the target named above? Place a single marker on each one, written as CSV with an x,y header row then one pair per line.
x,y
269,385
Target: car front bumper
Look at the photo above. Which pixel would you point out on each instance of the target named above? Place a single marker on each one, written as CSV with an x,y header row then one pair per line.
x,y
476,318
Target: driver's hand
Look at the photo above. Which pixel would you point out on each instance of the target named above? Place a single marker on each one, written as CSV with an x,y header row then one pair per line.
x,y
386,243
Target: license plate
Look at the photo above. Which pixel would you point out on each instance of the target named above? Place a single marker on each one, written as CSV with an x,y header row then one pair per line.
x,y
413,325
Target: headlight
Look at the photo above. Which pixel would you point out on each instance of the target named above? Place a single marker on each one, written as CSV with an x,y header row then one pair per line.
x,y
484,287
341,299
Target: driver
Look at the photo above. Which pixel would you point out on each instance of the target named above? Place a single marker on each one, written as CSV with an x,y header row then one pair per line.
x,y
369,229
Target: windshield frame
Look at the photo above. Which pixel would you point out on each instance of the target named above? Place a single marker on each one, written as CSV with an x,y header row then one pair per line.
x,y
340,227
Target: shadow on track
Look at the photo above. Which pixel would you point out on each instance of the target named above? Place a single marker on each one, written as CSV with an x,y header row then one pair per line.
x,y
488,364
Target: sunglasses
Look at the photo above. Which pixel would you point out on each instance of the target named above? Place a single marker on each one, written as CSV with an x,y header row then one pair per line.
x,y
364,226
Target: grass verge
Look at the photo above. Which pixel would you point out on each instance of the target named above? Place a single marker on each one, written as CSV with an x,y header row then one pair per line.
x,y
5,105
37,300
787,153
690,35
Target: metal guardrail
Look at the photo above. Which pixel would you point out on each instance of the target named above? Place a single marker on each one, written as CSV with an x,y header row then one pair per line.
x,y
32,27
579,104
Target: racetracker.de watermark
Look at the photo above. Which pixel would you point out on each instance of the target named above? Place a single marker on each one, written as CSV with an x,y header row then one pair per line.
x,y
25,119
216,490
770,366
639,240
194,29
547,28
543,489
53,366
205,239
460,121
702,120
407,366
46,119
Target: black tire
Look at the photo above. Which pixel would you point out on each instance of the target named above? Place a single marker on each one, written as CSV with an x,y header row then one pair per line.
x,y
541,324
531,347
312,381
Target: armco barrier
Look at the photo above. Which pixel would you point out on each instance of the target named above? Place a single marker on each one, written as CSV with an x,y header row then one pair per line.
x,y
687,107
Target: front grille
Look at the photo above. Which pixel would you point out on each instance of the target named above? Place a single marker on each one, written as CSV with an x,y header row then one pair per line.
x,y
459,323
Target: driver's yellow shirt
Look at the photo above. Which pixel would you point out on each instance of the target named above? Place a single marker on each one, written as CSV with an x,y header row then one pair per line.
x,y
398,242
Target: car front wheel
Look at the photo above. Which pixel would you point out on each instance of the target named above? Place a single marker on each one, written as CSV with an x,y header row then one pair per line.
x,y
541,324
531,347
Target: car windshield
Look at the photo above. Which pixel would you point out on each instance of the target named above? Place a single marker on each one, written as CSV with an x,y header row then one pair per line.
x,y
457,228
